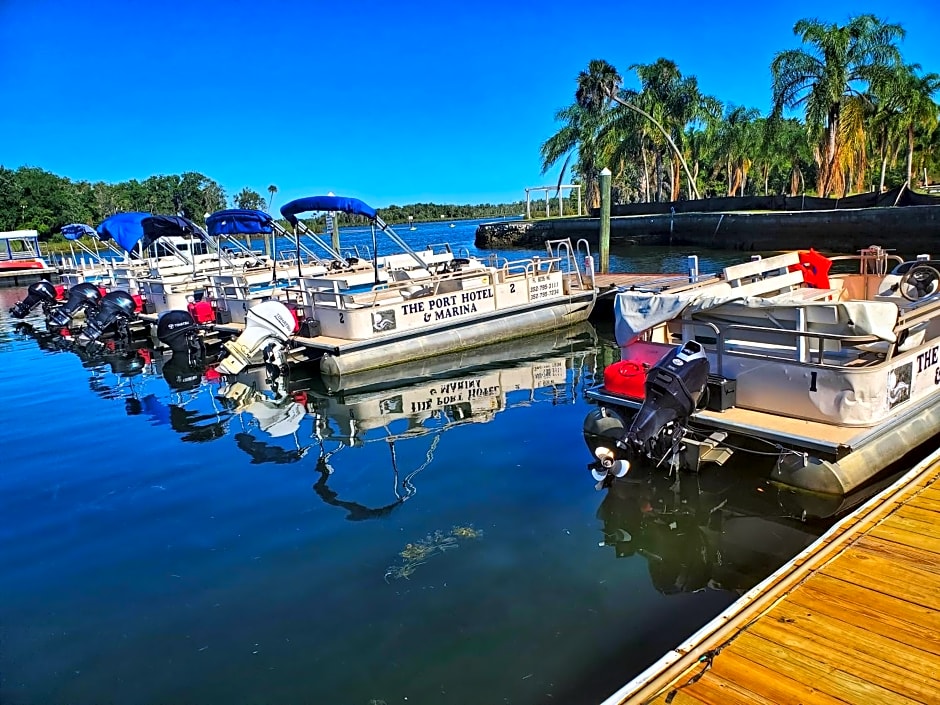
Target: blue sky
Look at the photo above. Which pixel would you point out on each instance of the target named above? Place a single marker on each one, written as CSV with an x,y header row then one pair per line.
x,y
393,103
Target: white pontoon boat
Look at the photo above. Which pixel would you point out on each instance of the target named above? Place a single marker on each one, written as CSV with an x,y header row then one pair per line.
x,y
422,311
835,373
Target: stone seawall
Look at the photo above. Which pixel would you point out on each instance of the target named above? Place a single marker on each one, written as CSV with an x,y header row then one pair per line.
x,y
909,230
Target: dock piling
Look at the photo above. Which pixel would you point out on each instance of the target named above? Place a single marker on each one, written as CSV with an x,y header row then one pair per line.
x,y
604,247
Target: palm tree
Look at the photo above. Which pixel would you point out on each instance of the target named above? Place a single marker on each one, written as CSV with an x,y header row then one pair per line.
x,y
904,109
835,61
739,138
272,189
919,111
575,140
578,135
669,102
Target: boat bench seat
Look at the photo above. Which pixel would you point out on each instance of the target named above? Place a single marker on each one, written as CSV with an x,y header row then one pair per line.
x,y
806,294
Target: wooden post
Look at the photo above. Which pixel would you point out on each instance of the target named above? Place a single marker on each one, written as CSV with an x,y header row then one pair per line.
x,y
528,206
335,234
561,204
604,247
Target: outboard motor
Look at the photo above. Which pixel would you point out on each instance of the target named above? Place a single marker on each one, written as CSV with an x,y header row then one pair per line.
x,y
41,292
116,308
267,329
81,296
674,386
179,332
182,372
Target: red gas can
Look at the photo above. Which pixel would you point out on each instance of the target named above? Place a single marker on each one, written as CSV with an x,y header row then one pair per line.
x,y
202,312
628,377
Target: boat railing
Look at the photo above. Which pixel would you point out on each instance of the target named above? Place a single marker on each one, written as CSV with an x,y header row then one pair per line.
x,y
387,292
872,260
568,262
850,352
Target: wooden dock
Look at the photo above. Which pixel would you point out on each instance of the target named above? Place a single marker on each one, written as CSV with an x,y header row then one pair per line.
x,y
853,619
22,277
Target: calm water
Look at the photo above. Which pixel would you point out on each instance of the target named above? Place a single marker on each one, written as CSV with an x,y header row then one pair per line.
x,y
170,538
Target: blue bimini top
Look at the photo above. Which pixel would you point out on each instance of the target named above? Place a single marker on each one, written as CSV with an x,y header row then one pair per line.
x,y
326,203
239,221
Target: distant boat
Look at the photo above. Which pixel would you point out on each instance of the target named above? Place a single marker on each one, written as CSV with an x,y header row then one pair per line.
x,y
452,225
19,250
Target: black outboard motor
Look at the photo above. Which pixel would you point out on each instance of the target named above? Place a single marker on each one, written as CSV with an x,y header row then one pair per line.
x,y
116,308
178,331
81,296
674,386
182,373
41,292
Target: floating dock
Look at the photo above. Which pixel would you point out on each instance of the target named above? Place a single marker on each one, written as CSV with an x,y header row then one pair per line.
x,y
21,277
855,618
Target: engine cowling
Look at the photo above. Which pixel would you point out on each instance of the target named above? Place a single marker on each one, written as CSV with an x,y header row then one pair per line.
x,y
268,326
81,296
41,292
115,307
177,330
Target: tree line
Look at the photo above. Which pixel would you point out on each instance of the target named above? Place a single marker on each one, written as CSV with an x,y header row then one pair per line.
x,y
848,115
34,199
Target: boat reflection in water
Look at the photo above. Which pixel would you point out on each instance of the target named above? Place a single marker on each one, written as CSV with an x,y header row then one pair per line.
x,y
399,404
725,531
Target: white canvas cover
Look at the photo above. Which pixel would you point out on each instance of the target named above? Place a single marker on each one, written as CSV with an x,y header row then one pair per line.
x,y
638,311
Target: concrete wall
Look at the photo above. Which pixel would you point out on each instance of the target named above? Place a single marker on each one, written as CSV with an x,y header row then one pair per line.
x,y
909,230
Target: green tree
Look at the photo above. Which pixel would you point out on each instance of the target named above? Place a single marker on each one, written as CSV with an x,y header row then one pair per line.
x,y
272,189
577,137
250,199
915,110
836,62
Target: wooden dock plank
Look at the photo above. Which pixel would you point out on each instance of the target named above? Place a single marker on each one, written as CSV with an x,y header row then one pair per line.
x,y
859,622
760,678
927,503
813,646
901,536
863,635
930,493
921,555
914,513
891,578
824,676
903,618
915,526
715,690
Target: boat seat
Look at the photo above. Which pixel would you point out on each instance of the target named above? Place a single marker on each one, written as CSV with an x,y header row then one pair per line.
x,y
806,294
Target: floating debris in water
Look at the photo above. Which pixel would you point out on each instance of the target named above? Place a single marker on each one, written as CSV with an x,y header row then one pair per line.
x,y
415,554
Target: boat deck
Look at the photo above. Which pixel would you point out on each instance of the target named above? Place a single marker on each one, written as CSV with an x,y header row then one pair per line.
x,y
853,619
609,284
808,435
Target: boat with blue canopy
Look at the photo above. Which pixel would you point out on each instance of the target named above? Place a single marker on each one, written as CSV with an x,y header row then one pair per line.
x,y
428,304
312,264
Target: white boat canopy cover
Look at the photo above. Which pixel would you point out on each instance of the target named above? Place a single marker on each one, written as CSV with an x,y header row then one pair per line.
x,y
637,311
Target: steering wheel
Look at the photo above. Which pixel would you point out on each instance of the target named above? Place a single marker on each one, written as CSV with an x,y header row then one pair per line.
x,y
919,281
